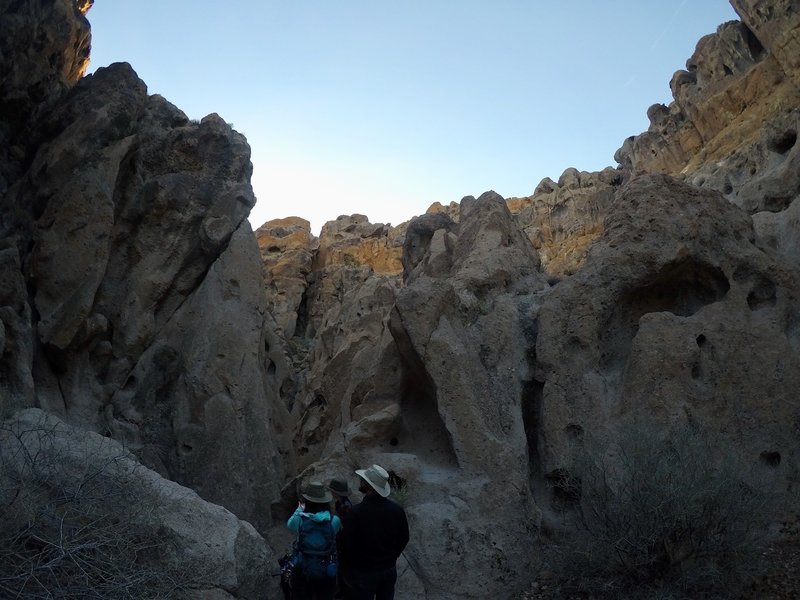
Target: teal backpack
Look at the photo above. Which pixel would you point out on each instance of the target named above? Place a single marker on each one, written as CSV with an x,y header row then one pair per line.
x,y
316,549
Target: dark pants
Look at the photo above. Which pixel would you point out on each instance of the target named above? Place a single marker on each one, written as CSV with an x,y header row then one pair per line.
x,y
312,589
373,585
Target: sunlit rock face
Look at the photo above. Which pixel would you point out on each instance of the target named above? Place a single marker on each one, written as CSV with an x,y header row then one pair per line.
x,y
563,218
733,124
286,247
135,302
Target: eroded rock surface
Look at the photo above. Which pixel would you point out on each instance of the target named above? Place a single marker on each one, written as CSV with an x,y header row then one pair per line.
x,y
677,316
202,545
563,218
135,304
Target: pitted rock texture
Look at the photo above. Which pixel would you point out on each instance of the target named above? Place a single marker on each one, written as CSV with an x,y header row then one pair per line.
x,y
677,316
733,124
135,304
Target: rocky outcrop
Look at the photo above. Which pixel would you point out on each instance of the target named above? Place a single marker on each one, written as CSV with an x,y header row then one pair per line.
x,y
677,316
133,270
563,219
202,547
136,303
287,248
463,324
733,124
339,339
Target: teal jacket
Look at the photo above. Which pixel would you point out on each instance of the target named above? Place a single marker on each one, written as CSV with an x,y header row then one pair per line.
x,y
294,521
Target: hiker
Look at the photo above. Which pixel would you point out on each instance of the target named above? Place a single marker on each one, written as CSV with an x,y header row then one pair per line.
x,y
374,534
341,506
341,494
314,577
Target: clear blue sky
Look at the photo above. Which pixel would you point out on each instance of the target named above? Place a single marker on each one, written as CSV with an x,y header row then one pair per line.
x,y
382,108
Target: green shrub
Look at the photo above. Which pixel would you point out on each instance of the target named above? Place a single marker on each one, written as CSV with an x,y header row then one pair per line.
x,y
669,514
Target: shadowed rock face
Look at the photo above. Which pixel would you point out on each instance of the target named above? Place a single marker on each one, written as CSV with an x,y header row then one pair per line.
x,y
676,316
132,269
201,544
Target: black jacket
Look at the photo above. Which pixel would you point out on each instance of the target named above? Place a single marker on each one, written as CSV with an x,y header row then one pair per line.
x,y
374,533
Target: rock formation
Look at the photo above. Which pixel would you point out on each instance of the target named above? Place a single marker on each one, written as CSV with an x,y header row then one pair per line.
x,y
124,228
676,316
203,546
467,351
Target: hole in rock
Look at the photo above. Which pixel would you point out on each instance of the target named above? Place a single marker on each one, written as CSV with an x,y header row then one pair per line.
x,y
394,441
423,430
701,340
784,142
271,368
770,459
753,44
776,203
574,431
396,481
762,295
681,288
727,188
696,371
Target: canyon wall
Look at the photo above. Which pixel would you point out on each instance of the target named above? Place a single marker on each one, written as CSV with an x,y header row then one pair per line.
x,y
468,351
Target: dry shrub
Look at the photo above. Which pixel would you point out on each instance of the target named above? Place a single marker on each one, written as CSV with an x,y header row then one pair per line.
x,y
662,515
73,529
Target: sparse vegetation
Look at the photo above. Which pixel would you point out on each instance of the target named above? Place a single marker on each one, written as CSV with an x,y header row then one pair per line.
x,y
73,531
662,515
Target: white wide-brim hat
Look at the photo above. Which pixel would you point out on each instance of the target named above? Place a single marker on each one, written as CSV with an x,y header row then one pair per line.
x,y
377,477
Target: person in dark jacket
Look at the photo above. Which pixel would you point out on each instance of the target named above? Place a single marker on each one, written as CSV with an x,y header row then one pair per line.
x,y
374,534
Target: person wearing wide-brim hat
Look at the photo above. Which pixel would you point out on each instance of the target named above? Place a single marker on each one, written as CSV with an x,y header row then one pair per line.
x,y
315,528
341,506
375,533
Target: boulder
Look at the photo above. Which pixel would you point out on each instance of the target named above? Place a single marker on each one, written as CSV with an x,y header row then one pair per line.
x,y
199,547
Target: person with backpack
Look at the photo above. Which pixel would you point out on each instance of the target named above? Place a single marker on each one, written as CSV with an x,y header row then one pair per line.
x,y
374,535
314,574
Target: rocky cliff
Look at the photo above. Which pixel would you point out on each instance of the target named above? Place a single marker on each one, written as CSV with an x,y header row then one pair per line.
x,y
133,301
468,351
665,286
